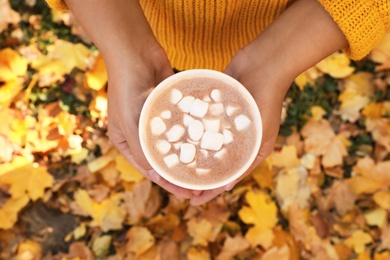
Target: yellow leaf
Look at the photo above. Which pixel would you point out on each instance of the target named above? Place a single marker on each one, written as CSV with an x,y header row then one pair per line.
x,y
12,65
200,231
262,212
317,113
381,52
28,179
376,217
286,158
337,65
102,161
307,77
382,199
8,91
198,254
358,241
379,172
362,184
374,110
139,240
263,174
96,77
382,256
127,171
108,215
334,153
9,211
30,250
17,162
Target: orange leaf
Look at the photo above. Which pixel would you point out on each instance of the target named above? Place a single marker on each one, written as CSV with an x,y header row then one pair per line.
x,y
200,230
233,246
140,240
9,211
96,77
12,65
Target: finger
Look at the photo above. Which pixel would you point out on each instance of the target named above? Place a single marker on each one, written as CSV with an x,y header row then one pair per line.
x,y
206,196
172,188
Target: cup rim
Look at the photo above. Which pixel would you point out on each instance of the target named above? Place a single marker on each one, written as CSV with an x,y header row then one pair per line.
x,y
200,73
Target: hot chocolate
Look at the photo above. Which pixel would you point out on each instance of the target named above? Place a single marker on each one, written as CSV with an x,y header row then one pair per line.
x,y
200,132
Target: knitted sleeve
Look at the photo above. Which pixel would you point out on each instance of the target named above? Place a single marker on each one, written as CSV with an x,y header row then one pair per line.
x,y
363,22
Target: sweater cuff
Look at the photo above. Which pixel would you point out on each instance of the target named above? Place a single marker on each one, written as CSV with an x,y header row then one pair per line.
x,y
361,23
57,5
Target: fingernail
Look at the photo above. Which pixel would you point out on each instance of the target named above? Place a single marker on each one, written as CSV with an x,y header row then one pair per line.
x,y
229,187
196,192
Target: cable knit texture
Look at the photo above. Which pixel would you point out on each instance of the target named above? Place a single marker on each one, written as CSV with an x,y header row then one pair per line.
x,y
206,34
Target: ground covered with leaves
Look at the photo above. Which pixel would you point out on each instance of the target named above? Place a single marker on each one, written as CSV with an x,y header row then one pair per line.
x,y
66,193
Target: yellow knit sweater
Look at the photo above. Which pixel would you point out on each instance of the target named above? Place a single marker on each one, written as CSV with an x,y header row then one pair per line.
x,y
206,34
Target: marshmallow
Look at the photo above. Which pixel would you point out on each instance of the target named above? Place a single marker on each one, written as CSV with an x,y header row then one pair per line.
x,y
220,153
186,103
195,130
163,146
230,110
171,160
166,114
211,125
211,141
187,119
202,171
227,136
216,109
207,99
175,133
241,122
204,152
216,95
187,152
199,108
176,96
157,125
177,145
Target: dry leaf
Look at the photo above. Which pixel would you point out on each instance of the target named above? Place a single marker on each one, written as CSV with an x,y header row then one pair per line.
x,y
264,175
12,65
29,180
358,241
307,77
379,172
30,250
337,65
233,246
376,217
7,15
382,199
317,113
380,130
198,254
374,110
273,253
200,230
108,215
361,184
292,187
9,211
139,240
96,77
101,245
286,158
142,202
343,197
262,212
127,171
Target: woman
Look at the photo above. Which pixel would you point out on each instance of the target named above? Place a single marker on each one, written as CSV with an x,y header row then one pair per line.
x,y
263,44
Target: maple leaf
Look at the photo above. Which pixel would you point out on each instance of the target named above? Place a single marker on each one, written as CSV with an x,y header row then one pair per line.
x,y
282,253
139,240
376,217
96,77
374,110
337,65
342,196
264,175
127,171
27,179
292,187
380,130
142,202
12,65
286,158
198,254
29,250
233,246
108,215
379,172
382,199
9,211
200,230
307,77
262,213
7,15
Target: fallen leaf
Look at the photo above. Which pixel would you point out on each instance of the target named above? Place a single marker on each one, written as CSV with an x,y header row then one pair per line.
x,y
96,77
139,240
361,184
108,215
376,217
342,196
337,65
264,175
374,110
8,91
200,230
101,245
12,65
379,172
358,241
381,53
28,179
198,254
286,158
273,253
30,250
127,171
382,199
7,15
292,187
142,202
9,211
317,113
262,213
307,78
380,131
233,246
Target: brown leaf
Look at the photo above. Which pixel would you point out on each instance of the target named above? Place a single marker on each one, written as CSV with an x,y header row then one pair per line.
x,y
233,246
343,197
139,240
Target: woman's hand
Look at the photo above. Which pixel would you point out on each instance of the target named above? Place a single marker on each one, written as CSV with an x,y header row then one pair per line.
x,y
301,37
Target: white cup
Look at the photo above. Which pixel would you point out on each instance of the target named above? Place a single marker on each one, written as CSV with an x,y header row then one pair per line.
x,y
186,75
